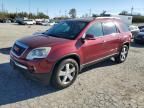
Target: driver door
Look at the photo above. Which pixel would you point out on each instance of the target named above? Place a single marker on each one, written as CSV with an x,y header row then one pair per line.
x,y
93,48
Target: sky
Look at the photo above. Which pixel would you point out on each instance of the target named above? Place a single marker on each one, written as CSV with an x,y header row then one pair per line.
x,y
62,7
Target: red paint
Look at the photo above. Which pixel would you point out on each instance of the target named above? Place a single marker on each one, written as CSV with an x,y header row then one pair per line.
x,y
87,51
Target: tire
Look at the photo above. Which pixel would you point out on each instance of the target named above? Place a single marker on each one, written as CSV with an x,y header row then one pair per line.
x,y
122,55
65,73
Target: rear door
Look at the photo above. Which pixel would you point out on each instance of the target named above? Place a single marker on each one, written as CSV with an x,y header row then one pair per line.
x,y
111,38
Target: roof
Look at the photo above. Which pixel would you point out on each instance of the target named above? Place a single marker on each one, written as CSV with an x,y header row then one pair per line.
x,y
92,19
82,19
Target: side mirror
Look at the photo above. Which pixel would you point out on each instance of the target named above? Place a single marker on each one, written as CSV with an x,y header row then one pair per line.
x,y
89,37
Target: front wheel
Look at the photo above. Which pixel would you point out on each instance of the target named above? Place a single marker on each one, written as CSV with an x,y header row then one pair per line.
x,y
122,55
65,73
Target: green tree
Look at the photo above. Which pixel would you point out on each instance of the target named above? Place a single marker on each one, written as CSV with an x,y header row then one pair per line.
x,y
6,15
103,13
95,15
72,13
123,12
42,15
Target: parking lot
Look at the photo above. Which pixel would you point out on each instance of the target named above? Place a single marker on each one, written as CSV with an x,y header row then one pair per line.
x,y
104,85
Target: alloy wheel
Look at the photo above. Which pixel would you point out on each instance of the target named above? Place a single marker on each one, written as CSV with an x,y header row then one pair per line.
x,y
67,73
124,53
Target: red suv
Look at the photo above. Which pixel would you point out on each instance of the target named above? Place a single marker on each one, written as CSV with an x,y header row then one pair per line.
x,y
58,54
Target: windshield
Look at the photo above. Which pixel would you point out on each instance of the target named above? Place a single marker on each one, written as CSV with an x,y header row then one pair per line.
x,y
66,29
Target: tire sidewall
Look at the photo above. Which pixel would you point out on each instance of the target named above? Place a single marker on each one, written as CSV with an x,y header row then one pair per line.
x,y
56,82
124,46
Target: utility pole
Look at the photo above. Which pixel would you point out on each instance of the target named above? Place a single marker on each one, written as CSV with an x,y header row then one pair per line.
x,y
37,11
132,8
29,6
47,12
65,13
59,13
16,12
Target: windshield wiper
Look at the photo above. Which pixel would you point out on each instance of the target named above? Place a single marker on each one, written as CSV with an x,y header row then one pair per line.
x,y
48,34
53,35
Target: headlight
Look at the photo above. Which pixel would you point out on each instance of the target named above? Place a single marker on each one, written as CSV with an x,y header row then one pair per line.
x,y
41,52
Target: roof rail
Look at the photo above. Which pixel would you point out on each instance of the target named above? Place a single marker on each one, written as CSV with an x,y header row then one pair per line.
x,y
85,18
107,18
94,18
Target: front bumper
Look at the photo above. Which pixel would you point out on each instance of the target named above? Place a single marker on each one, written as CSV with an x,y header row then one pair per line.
x,y
43,78
38,70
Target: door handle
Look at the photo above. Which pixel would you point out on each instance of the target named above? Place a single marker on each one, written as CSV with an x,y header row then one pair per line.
x,y
104,41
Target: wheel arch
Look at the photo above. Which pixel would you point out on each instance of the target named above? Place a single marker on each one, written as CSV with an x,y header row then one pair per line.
x,y
127,43
69,56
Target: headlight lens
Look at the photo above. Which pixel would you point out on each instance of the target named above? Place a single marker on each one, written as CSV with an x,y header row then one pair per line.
x,y
41,52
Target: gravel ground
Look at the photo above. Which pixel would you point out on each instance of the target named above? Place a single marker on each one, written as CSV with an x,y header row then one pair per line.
x,y
104,85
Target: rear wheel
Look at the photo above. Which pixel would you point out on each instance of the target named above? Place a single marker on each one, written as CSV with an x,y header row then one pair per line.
x,y
65,73
122,55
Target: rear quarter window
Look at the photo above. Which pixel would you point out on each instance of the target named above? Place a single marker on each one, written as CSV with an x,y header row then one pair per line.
x,y
124,27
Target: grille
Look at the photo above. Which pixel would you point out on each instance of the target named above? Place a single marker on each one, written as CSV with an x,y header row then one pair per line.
x,y
19,48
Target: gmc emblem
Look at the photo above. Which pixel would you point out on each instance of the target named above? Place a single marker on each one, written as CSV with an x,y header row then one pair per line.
x,y
16,48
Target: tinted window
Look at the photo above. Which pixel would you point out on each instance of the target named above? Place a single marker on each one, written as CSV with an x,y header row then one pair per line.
x,y
109,28
124,27
67,29
96,30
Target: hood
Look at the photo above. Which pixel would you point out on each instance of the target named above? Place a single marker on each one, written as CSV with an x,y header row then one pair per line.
x,y
42,41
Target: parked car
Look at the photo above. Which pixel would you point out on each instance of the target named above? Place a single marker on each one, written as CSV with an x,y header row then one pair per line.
x,y
5,20
1,21
141,27
52,23
29,22
44,23
57,55
26,22
38,22
20,22
140,37
134,30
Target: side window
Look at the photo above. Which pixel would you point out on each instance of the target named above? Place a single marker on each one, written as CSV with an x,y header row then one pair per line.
x,y
124,27
109,28
96,30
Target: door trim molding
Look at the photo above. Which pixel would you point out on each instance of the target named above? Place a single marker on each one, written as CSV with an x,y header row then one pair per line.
x,y
98,60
